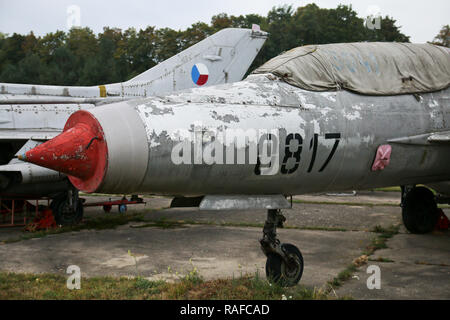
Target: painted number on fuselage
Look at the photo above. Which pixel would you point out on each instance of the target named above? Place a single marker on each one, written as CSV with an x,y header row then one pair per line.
x,y
295,152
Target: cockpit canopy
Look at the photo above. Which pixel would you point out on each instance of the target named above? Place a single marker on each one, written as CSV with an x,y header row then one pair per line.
x,y
372,68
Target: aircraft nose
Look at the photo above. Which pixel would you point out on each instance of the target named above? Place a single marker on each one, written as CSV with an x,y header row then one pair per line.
x,y
80,151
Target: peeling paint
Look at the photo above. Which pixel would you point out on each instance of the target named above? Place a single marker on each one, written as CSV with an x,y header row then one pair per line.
x,y
225,118
353,115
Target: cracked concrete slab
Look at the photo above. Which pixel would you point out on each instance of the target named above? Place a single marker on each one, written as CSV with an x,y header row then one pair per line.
x,y
302,215
217,252
420,269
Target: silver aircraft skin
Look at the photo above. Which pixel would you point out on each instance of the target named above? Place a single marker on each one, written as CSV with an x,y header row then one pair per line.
x,y
323,141
32,114
252,144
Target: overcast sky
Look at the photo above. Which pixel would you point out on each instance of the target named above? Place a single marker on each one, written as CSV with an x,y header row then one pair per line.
x,y
419,19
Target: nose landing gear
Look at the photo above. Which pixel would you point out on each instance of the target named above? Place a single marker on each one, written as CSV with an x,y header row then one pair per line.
x,y
67,208
284,263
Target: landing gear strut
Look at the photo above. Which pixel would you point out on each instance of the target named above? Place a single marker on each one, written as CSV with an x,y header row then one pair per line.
x,y
284,263
67,208
419,209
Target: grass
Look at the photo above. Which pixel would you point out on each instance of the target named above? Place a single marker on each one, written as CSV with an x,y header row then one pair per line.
x,y
161,223
113,221
169,223
347,203
342,276
100,223
388,189
128,196
378,242
399,189
381,259
362,204
191,286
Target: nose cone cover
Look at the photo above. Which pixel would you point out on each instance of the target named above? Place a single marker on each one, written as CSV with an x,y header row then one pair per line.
x,y
80,151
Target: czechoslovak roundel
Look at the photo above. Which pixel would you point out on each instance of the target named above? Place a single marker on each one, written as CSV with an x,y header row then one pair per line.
x,y
199,74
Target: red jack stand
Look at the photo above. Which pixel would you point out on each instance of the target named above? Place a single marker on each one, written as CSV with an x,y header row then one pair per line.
x,y
44,220
443,221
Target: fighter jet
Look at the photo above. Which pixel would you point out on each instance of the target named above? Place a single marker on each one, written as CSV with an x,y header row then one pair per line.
x,y
32,114
317,118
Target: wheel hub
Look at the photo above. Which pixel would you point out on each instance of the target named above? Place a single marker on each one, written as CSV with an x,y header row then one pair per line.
x,y
291,269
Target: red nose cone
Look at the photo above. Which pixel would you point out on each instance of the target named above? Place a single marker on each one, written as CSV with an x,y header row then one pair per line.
x,y
80,151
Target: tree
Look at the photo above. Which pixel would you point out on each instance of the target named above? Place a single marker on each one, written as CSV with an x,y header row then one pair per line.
x,y
12,49
80,57
84,45
167,44
142,51
388,32
247,21
28,70
47,45
3,36
443,37
341,25
30,43
221,21
60,70
278,24
195,33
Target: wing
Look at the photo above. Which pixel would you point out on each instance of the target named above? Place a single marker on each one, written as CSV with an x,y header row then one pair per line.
x,y
440,138
432,138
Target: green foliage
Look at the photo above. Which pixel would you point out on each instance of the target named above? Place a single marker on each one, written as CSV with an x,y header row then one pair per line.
x,y
17,286
443,37
79,57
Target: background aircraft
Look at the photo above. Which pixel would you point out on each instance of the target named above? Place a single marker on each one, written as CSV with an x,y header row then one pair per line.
x,y
317,118
31,114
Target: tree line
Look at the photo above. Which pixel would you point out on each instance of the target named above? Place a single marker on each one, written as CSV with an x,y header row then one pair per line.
x,y
80,57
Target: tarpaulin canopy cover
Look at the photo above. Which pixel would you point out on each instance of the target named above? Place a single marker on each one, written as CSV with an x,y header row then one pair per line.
x,y
372,68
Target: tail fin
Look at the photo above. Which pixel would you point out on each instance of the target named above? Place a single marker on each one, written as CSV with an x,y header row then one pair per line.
x,y
223,57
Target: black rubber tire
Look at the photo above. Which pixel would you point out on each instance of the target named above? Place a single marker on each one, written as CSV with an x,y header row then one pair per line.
x,y
62,215
278,272
420,213
273,267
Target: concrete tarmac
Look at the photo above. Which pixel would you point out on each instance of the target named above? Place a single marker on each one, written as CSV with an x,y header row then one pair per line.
x,y
330,230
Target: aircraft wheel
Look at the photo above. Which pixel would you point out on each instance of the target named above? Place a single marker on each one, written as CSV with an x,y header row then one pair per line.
x,y
64,215
287,275
419,211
